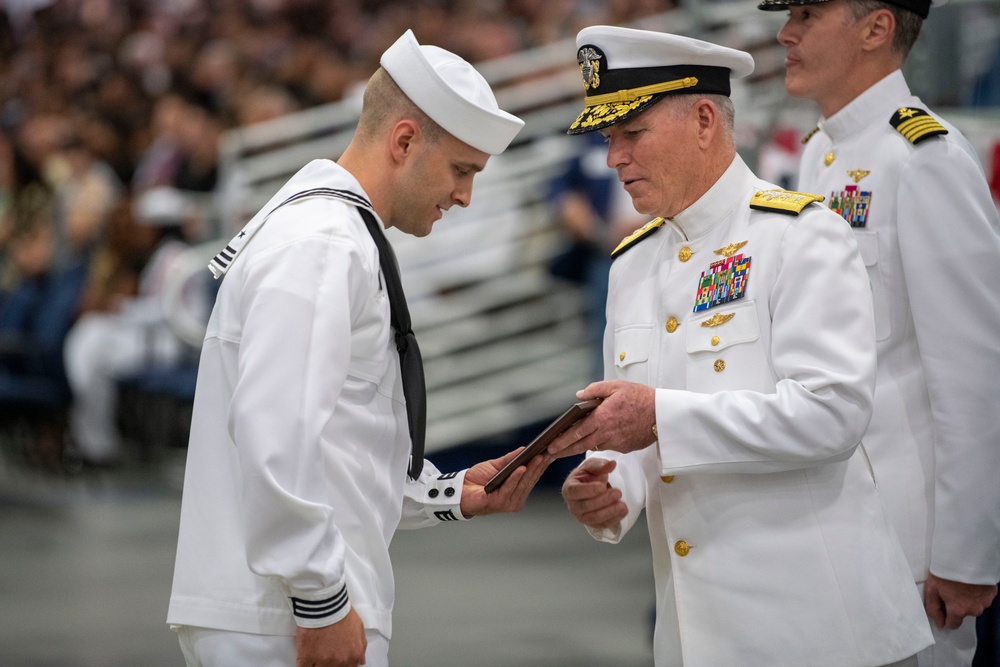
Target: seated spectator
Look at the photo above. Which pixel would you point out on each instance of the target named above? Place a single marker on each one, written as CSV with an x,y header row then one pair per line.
x,y
37,309
87,190
125,335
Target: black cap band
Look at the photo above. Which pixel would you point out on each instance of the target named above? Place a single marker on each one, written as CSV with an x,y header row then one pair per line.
x,y
711,80
920,7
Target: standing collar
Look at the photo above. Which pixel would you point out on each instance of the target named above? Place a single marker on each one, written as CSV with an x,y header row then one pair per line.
x,y
718,202
878,102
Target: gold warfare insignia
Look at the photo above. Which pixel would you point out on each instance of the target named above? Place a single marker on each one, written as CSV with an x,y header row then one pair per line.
x,y
809,135
730,249
717,319
783,201
857,174
590,66
916,124
636,236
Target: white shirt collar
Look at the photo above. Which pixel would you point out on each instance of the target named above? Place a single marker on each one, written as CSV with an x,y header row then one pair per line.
x,y
718,202
878,102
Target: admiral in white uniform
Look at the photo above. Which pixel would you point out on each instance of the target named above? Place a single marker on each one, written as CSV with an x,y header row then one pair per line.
x,y
740,366
297,466
914,193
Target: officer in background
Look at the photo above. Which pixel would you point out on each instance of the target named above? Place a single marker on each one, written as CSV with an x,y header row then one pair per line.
x,y
914,193
740,369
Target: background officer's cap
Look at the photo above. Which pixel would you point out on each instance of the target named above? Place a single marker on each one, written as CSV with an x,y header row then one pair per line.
x,y
921,7
625,70
452,93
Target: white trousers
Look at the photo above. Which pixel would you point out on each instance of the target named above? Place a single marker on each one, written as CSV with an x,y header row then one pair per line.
x,y
204,647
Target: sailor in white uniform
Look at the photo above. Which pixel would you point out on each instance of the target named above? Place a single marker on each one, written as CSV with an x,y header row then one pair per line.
x,y
306,441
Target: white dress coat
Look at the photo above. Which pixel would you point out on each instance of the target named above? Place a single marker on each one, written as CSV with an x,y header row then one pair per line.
x,y
296,475
770,545
932,250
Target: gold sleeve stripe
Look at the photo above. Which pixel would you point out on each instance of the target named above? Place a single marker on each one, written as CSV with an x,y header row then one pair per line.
x,y
916,124
919,128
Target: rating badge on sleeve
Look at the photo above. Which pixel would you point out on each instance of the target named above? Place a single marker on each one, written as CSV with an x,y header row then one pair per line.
x,y
724,281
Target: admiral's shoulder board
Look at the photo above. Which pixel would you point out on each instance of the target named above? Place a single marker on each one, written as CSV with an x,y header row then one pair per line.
x,y
916,124
636,236
783,201
809,135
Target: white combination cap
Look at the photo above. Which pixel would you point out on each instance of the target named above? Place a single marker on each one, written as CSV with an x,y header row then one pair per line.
x,y
452,93
626,70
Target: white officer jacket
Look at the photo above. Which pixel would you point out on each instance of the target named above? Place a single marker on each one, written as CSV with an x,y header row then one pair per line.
x,y
296,473
927,227
770,546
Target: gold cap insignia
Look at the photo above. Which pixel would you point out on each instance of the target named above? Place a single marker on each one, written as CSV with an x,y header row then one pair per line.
x,y
590,67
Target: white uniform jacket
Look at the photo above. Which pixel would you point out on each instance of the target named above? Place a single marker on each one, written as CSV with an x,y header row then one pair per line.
x,y
296,472
927,227
770,545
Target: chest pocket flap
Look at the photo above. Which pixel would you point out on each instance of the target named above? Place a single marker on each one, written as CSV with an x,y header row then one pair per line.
x,y
722,329
868,246
632,345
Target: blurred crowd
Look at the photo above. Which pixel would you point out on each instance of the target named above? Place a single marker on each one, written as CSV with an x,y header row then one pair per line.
x,y
111,113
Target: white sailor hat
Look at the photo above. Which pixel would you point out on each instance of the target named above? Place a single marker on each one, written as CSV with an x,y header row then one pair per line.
x,y
452,93
626,70
920,7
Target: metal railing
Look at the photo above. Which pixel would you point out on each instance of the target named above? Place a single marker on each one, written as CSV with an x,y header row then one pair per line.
x,y
505,344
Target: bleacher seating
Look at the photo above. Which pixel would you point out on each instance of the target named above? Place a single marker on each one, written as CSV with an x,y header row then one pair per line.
x,y
504,343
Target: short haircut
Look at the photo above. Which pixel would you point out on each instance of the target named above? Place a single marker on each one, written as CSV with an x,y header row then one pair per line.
x,y
384,104
727,111
908,23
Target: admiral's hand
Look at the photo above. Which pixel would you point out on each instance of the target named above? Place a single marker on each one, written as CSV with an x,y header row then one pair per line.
x,y
623,422
591,498
342,644
511,495
948,602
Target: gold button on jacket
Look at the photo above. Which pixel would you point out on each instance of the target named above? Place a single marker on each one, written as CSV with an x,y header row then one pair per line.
x,y
681,548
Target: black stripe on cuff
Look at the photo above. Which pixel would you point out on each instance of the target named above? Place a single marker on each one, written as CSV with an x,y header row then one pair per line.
x,y
320,608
